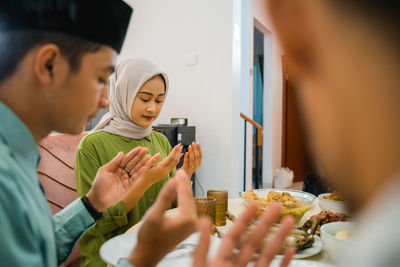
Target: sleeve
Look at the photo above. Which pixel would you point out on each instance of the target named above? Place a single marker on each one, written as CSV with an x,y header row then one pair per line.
x,y
19,247
69,224
168,148
86,167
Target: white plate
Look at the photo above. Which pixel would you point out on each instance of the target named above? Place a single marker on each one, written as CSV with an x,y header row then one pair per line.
x,y
308,252
120,247
301,263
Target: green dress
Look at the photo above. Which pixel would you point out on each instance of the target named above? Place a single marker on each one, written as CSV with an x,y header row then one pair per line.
x,y
95,150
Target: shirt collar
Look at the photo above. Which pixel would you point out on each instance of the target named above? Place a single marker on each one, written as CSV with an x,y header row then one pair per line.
x,y
128,139
16,135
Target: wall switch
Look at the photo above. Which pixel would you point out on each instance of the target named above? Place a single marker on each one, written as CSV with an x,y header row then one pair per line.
x,y
191,59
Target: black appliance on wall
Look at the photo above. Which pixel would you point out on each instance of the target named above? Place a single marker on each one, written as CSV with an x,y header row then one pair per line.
x,y
176,134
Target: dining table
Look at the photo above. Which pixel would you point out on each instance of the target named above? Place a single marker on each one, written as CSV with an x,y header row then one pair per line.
x,y
236,206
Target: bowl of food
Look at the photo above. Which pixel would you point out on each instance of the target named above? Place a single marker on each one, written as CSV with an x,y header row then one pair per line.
x,y
332,202
294,203
337,237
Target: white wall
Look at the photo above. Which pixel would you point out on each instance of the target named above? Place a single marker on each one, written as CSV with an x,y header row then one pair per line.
x,y
166,31
246,96
213,92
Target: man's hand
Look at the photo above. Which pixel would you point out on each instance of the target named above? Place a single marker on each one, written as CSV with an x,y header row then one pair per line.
x,y
159,234
114,179
225,256
193,158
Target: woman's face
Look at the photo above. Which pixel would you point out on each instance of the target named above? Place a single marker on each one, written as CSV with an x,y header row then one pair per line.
x,y
148,102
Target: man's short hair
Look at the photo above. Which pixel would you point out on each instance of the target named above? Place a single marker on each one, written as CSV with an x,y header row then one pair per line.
x,y
15,46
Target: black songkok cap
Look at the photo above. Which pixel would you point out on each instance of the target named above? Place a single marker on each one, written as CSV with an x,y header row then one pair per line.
x,y
99,21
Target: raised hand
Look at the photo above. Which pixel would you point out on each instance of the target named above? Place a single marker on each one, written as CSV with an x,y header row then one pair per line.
x,y
193,158
147,172
226,257
114,179
159,234
161,169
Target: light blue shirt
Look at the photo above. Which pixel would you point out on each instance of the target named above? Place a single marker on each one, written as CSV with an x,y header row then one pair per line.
x,y
29,234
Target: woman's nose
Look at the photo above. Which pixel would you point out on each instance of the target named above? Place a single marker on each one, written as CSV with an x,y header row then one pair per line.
x,y
104,99
151,107
104,102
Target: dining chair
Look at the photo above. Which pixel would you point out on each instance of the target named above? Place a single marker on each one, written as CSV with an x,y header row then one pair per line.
x,y
56,174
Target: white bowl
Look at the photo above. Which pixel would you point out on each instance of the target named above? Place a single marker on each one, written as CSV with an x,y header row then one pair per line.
x,y
331,205
308,199
336,247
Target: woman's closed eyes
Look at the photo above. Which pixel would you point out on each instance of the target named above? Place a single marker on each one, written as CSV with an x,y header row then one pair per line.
x,y
147,98
102,82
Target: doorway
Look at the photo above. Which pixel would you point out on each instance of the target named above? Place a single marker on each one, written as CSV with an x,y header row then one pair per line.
x,y
262,104
258,103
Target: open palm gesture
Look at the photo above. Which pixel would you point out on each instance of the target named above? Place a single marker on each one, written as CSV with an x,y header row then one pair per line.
x,y
193,158
114,179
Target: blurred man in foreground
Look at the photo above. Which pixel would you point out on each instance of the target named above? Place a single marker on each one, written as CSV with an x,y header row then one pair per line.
x,y
345,57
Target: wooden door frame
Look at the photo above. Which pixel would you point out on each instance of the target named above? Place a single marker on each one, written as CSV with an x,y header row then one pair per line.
x,y
295,149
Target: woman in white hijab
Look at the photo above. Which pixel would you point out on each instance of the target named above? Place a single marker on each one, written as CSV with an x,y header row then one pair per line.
x,y
138,91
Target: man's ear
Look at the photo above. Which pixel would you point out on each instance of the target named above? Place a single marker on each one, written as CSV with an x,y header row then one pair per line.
x,y
292,23
47,59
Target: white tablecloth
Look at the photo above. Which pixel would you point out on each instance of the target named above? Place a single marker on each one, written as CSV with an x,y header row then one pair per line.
x,y
236,207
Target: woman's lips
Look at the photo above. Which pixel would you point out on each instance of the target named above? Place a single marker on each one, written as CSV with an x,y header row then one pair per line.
x,y
149,118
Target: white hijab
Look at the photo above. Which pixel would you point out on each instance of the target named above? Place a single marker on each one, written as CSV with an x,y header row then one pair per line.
x,y
125,83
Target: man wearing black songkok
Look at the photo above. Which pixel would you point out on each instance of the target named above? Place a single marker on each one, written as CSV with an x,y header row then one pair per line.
x,y
55,59
56,56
